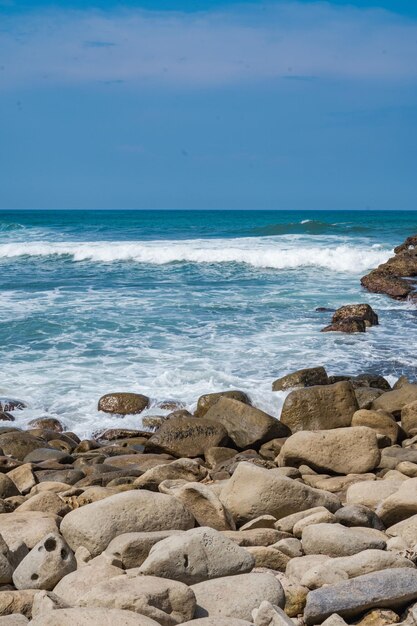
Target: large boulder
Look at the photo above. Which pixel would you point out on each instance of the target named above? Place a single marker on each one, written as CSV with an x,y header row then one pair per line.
x,y
182,469
253,491
362,311
371,493
347,325
237,596
401,504
325,450
187,436
18,444
197,555
74,585
392,401
168,602
27,527
17,601
409,417
132,549
206,401
123,403
92,617
95,525
308,377
381,422
386,589
246,425
336,540
320,408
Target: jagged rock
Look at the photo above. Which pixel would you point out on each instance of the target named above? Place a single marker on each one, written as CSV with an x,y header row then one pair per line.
x,y
308,377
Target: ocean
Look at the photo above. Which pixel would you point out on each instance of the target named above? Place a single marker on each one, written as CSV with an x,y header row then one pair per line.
x,y
174,304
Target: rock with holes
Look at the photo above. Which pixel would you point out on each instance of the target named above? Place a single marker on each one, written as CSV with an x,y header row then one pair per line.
x,y
197,555
49,561
28,527
92,617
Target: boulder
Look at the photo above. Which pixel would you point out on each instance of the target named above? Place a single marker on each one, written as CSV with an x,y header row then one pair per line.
x,y
133,548
400,505
28,527
204,505
270,615
92,617
17,602
206,401
123,403
237,596
324,517
96,524
358,515
23,477
187,436
197,555
253,491
371,493
299,566
362,311
47,502
47,423
14,620
184,469
49,561
308,377
325,450
347,325
386,589
409,417
269,557
255,536
7,487
336,540
366,396
18,444
246,425
392,401
381,422
168,602
6,563
375,381
320,408
287,523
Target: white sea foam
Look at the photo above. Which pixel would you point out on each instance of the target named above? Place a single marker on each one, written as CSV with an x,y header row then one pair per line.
x,y
262,252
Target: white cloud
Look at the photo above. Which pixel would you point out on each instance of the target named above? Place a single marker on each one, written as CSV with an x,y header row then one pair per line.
x,y
206,49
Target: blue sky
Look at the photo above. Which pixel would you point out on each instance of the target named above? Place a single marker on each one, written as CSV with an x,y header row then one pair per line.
x,y
163,104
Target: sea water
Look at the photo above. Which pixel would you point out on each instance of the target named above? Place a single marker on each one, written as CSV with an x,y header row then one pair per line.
x,y
174,304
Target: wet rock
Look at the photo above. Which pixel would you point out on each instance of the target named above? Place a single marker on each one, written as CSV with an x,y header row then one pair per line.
x,y
95,525
245,425
49,561
187,437
47,423
123,403
320,407
325,450
6,417
360,311
302,378
209,399
347,325
8,404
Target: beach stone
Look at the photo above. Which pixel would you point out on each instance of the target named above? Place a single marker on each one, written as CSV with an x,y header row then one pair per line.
x,y
92,617
287,523
197,555
319,408
336,540
204,505
295,595
48,454
6,417
347,325
344,568
255,536
6,560
13,620
299,566
409,417
263,521
246,425
406,529
307,377
366,396
358,515
379,617
270,615
376,381
187,437
401,504
95,525
362,311
47,423
218,454
23,477
384,589
380,421
206,401
72,586
47,502
7,464
209,621
392,401
371,493
49,561
28,527
133,548
324,450
17,602
7,487
185,469
324,517
334,620
269,557
123,403
168,602
9,404
237,596
290,546
18,444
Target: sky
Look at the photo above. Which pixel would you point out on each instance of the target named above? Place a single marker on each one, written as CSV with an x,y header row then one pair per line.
x,y
218,104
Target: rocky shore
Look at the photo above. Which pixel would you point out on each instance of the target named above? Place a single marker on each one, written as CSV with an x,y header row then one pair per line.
x,y
224,517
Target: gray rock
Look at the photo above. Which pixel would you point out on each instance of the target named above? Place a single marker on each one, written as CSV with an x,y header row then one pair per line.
x,y
336,540
358,515
92,617
388,589
133,548
217,621
14,620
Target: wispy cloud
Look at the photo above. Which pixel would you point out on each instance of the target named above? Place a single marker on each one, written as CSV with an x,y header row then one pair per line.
x,y
207,49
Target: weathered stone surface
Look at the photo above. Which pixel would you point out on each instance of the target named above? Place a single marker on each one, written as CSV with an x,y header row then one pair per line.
x,y
380,421
28,527
204,505
6,561
74,585
308,377
17,602
348,325
133,548
362,311
19,444
270,615
255,536
324,517
123,403
7,487
49,561
325,450
217,621
269,557
13,620
168,602
371,493
47,423
287,523
254,491
206,401
187,437
409,417
23,477
320,408
392,401
401,504
336,540
246,425
386,589
237,596
366,396
96,524
295,595
197,555
185,469
92,617
47,502
358,515
379,617
407,530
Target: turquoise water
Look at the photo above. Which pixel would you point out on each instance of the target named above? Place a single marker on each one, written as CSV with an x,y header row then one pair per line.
x,y
177,303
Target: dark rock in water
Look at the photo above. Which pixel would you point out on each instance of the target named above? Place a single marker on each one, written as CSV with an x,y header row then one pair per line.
x,y
120,433
187,437
246,425
379,282
324,309
47,423
409,244
338,379
7,404
6,417
348,325
302,378
123,403
362,311
18,444
206,402
390,588
170,405
371,380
